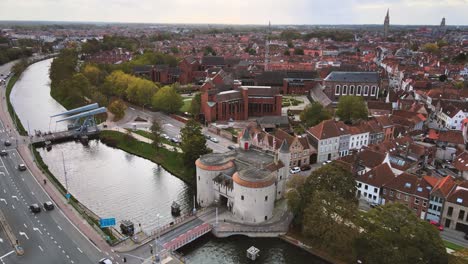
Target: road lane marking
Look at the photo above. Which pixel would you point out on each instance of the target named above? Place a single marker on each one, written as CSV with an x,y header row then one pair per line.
x,y
25,225
37,229
24,234
7,254
41,248
13,206
15,197
59,228
80,250
4,167
3,200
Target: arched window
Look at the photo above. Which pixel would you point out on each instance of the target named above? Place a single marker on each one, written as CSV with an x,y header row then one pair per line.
x,y
345,89
337,90
366,90
359,88
373,89
351,90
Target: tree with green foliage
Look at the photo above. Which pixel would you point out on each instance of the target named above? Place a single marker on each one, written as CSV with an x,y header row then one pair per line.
x,y
290,35
195,105
156,131
325,207
460,58
287,53
193,143
93,74
392,233
175,50
314,114
431,48
298,51
117,108
167,99
140,91
351,108
208,50
20,66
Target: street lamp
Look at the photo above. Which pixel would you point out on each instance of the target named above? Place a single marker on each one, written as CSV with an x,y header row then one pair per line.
x,y
157,241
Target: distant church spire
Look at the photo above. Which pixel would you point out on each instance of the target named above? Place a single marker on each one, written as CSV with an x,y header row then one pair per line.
x,y
267,48
387,24
442,24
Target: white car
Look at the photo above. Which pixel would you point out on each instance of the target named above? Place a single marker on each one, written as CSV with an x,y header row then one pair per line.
x,y
165,136
295,170
215,140
326,162
105,261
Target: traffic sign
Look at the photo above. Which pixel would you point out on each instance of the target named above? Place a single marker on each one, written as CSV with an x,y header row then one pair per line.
x,y
68,196
106,222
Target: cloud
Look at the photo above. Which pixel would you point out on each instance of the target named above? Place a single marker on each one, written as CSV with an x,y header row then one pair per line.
x,y
240,11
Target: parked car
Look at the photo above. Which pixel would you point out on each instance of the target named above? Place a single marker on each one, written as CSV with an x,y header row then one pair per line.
x,y
305,167
441,172
105,261
207,136
326,162
3,153
35,208
49,206
7,143
21,167
295,170
213,139
232,147
436,224
165,136
175,140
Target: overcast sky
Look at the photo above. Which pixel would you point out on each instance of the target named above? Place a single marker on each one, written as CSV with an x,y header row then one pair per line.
x,y
428,12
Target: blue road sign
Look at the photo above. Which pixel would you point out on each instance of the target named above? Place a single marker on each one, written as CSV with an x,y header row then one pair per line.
x,y
67,196
106,222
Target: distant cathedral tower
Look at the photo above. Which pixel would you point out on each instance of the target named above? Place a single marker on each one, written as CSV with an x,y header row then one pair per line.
x,y
267,48
386,24
442,24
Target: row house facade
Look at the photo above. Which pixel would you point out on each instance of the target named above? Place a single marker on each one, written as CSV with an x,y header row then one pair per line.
x,y
369,185
334,139
299,148
455,212
451,117
409,190
364,84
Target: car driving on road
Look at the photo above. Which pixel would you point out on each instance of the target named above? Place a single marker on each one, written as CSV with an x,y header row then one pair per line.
x,y
105,261
21,167
7,143
295,170
213,139
49,206
3,153
35,208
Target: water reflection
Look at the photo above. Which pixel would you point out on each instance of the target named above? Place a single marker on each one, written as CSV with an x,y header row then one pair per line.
x,y
113,183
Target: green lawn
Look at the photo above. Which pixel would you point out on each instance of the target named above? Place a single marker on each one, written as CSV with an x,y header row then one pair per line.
x,y
453,246
11,110
186,106
169,160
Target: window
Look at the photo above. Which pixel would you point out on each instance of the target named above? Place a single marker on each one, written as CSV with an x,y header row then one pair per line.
x,y
365,194
242,197
373,89
337,90
375,190
198,178
398,195
406,198
424,203
461,214
365,187
351,90
345,89
391,193
358,91
416,201
384,191
366,90
266,198
359,185
450,211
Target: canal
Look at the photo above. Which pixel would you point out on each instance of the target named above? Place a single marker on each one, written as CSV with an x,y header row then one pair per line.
x,y
113,183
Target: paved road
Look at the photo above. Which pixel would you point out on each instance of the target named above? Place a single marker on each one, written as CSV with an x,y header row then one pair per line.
x,y
48,237
170,126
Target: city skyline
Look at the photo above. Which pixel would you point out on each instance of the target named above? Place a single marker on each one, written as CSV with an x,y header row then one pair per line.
x,y
402,12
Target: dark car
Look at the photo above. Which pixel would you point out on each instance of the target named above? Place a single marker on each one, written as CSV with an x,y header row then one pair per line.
x,y
305,167
3,153
21,167
466,236
48,206
231,147
7,143
35,208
